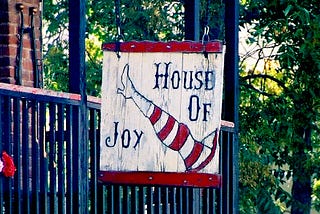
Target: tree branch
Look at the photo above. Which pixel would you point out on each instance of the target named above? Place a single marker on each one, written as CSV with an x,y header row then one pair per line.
x,y
264,76
257,90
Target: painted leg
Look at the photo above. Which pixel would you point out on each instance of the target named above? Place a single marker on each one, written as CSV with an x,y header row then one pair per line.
x,y
195,154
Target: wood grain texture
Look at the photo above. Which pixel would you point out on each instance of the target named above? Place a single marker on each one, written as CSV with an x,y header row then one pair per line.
x,y
185,88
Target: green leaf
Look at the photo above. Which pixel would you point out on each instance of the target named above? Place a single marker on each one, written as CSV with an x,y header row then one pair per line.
x,y
287,10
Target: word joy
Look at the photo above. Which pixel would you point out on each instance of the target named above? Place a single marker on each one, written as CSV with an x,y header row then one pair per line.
x,y
126,137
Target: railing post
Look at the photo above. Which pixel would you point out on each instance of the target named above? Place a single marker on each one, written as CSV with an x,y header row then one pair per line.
x,y
77,84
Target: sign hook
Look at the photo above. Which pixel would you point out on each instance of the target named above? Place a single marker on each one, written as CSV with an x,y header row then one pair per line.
x,y
205,36
119,37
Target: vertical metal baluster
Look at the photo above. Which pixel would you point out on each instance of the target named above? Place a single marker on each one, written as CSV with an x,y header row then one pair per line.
x,y
225,182
206,201
111,208
173,200
61,160
165,199
52,158
25,157
102,202
195,206
188,199
76,170
150,199
222,171
213,200
13,205
35,158
180,200
69,159
43,159
117,199
94,162
201,198
134,200
141,199
157,201
125,199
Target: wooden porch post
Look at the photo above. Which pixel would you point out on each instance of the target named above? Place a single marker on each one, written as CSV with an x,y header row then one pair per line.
x,y
192,20
231,68
77,84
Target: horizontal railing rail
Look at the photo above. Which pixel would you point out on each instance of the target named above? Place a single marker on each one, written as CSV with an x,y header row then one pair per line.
x,y
38,128
42,95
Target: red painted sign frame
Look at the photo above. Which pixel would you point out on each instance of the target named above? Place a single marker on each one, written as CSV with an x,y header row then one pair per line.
x,y
192,179
162,178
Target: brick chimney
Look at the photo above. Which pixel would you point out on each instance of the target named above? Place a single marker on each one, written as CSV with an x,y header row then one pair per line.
x,y
20,54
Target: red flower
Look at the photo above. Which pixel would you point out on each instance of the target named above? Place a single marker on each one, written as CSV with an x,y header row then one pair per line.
x,y
8,165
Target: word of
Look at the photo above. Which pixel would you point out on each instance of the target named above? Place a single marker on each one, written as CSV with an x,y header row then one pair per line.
x,y
194,108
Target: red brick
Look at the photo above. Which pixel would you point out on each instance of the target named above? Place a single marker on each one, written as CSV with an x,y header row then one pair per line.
x,y
9,80
26,42
10,22
27,64
27,83
27,75
7,71
13,29
13,40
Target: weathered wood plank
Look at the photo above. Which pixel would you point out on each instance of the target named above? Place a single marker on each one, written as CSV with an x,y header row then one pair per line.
x,y
161,111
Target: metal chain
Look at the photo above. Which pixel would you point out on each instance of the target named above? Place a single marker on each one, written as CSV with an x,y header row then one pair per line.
x,y
118,20
205,36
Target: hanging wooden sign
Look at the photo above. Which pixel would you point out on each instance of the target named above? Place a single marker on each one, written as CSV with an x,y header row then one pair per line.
x,y
161,113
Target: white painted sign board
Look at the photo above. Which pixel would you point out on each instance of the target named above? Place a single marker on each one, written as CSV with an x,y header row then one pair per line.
x,y
161,107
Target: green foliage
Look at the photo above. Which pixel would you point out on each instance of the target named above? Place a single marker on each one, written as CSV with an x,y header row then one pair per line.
x,y
93,66
139,20
285,130
55,76
316,195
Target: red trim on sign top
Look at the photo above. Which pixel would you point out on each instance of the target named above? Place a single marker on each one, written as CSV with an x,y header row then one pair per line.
x,y
191,179
173,46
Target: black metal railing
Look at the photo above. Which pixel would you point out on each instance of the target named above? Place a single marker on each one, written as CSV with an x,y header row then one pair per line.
x,y
40,129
